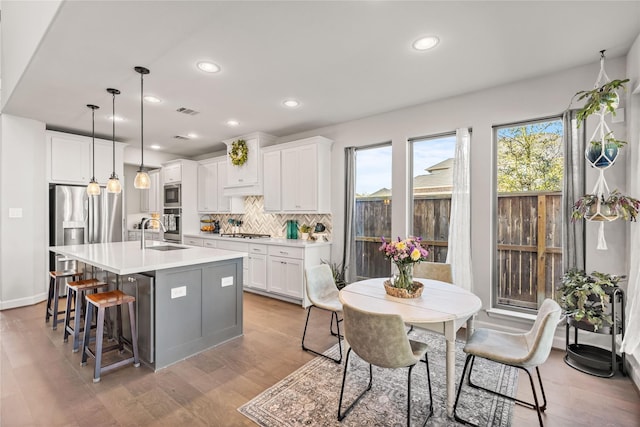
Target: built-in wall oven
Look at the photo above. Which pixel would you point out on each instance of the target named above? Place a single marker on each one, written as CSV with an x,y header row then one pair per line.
x,y
172,196
172,223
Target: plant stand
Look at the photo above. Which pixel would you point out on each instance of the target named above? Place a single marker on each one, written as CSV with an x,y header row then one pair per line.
x,y
595,360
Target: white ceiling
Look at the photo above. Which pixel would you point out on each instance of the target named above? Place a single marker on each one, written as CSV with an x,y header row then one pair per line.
x,y
342,60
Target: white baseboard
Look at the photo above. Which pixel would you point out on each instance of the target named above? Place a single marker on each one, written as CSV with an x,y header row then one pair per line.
x,y
22,302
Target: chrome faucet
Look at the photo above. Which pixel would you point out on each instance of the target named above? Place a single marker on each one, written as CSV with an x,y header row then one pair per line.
x,y
143,244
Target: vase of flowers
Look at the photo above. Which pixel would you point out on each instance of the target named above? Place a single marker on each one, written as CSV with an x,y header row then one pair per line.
x,y
404,254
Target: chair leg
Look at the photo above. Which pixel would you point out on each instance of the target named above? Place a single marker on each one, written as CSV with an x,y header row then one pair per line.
x,y
426,359
341,414
539,409
335,334
304,334
49,299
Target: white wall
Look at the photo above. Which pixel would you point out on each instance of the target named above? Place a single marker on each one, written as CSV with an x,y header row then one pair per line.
x,y
23,185
24,24
530,99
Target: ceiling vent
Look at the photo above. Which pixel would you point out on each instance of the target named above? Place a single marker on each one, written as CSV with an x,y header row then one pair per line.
x,y
187,111
181,137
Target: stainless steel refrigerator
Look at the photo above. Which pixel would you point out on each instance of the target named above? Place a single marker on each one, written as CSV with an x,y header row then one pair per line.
x,y
76,219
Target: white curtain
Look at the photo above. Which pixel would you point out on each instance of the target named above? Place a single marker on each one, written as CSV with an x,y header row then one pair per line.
x,y
349,254
459,253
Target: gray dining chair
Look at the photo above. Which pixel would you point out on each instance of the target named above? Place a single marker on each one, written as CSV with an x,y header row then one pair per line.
x,y
380,339
322,292
523,351
433,270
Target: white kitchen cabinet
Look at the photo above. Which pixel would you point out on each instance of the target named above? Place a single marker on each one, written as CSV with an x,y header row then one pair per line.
x,y
246,179
238,247
172,172
286,276
193,241
211,244
71,161
212,177
257,267
300,179
207,187
272,181
150,198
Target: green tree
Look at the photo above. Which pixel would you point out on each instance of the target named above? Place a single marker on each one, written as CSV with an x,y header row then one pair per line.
x,y
530,158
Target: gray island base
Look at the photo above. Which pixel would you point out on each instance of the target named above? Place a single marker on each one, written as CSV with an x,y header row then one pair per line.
x,y
188,299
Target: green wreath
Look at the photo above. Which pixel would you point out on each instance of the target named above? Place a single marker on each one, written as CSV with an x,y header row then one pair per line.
x,y
239,152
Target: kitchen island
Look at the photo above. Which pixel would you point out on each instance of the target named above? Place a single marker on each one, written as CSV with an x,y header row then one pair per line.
x,y
192,300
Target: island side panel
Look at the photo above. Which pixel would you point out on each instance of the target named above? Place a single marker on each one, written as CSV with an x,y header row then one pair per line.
x,y
206,309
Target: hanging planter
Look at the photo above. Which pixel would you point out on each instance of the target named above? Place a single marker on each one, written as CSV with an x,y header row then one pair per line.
x,y
602,158
596,208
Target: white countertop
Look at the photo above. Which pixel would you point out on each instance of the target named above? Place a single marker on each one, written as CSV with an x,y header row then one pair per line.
x,y
128,258
264,241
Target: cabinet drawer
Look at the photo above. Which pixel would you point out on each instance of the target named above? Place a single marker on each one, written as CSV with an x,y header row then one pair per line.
x,y
233,246
192,241
258,249
210,244
286,251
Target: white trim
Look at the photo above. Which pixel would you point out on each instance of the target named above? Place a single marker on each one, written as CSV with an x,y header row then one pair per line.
x,y
509,314
22,302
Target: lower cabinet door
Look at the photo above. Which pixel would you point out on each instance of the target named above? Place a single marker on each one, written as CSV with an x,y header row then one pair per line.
x,y
257,271
285,276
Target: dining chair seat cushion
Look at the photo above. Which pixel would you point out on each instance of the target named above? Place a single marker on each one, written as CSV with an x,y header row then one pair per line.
x,y
321,289
524,349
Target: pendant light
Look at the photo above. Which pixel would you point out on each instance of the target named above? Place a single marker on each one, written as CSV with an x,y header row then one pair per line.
x,y
113,185
93,189
142,180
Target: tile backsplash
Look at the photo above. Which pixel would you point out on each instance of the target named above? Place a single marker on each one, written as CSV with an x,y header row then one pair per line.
x,y
256,220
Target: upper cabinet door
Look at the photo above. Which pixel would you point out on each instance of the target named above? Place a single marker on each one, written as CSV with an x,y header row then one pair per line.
x,y
155,196
246,174
172,173
272,181
300,179
71,160
207,187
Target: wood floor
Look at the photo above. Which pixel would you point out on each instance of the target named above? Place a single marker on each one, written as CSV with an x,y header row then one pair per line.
x,y
43,384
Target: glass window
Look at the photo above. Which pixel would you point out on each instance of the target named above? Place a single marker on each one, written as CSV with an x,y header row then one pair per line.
x,y
432,172
373,209
529,175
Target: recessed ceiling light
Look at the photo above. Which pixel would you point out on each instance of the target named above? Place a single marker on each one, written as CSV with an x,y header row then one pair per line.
x,y
291,103
208,67
152,99
155,146
426,43
116,118
192,135
232,122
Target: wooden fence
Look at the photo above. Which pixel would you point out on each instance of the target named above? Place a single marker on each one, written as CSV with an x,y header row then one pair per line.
x,y
529,258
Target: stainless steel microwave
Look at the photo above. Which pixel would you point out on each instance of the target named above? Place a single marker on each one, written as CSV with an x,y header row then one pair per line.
x,y
172,195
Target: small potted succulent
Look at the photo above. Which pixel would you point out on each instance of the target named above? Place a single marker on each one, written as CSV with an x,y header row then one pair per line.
x,y
304,231
585,298
596,208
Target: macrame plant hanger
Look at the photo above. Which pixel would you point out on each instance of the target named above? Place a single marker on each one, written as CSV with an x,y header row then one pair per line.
x,y
602,161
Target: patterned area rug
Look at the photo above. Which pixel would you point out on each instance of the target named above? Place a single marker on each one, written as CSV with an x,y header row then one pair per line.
x,y
309,396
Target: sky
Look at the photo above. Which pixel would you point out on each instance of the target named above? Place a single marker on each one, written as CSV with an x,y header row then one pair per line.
x,y
373,166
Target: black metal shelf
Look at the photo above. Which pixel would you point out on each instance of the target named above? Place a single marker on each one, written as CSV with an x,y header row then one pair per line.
x,y
593,360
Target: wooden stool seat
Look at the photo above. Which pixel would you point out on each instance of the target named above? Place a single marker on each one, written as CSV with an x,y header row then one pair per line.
x,y
56,278
102,301
75,292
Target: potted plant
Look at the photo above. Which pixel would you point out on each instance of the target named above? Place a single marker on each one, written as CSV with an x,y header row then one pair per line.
x,y
585,298
338,271
601,158
305,230
596,208
404,253
598,98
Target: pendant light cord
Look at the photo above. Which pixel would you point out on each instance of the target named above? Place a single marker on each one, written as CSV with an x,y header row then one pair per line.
x,y
113,139
93,144
141,121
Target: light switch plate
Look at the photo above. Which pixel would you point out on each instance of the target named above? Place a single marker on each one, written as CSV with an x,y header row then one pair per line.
x,y
227,281
180,291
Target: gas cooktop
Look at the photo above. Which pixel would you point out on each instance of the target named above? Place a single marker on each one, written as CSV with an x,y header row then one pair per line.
x,y
246,235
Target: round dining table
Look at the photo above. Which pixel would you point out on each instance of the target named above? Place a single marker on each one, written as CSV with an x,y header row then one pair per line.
x,y
442,308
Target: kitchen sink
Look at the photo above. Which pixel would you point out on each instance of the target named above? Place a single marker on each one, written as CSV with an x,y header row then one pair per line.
x,y
165,248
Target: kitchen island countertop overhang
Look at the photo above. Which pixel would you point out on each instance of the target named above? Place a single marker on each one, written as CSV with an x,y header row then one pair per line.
x,y
127,258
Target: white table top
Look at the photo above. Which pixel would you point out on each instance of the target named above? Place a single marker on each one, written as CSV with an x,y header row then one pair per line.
x,y
440,301
128,258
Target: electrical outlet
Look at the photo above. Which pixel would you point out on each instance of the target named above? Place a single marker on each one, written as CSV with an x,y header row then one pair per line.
x,y
227,281
178,292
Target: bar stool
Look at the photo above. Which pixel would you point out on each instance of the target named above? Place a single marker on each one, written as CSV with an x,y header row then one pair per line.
x,y
102,301
56,278
76,292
